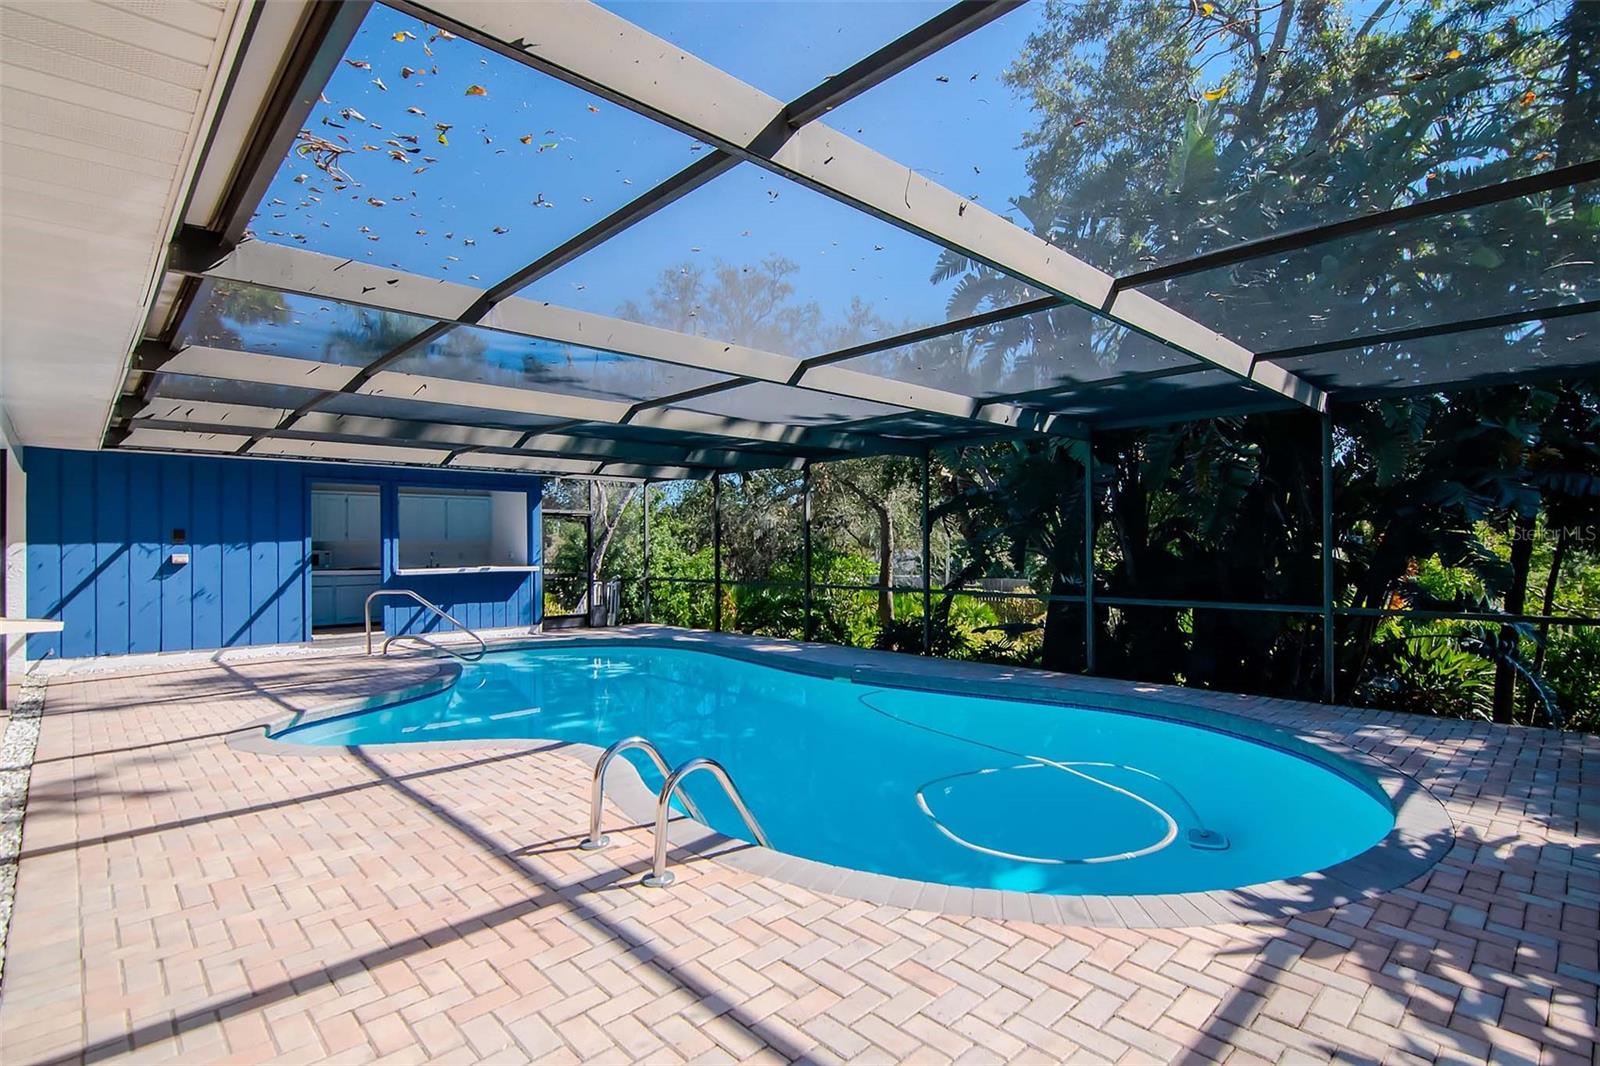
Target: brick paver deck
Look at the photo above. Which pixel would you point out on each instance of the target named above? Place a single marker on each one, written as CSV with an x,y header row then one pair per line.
x,y
183,899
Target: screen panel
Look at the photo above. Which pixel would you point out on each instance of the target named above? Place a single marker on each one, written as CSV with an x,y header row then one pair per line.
x,y
1044,350
248,318
754,259
436,156
1181,396
493,357
1521,254
765,401
1461,360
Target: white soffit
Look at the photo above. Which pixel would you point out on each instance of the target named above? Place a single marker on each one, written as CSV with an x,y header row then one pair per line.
x,y
104,108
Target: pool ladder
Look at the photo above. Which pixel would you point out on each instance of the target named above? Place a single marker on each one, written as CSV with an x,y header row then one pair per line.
x,y
660,876
366,615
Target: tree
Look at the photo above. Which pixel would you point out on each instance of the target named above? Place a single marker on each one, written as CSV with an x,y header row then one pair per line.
x,y
1167,130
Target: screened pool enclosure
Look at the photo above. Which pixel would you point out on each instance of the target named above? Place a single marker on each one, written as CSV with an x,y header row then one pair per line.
x,y
1264,324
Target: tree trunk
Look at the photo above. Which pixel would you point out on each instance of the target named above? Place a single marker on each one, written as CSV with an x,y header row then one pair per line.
x,y
1505,676
612,522
885,565
609,524
1062,634
1549,602
880,508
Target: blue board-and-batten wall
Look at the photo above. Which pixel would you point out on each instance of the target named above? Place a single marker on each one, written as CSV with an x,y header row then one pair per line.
x,y
100,531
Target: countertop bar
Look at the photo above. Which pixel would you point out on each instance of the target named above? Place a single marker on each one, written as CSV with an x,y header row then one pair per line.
x,y
422,571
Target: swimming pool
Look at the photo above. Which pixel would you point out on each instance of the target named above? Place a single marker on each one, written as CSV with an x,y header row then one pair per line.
x,y
931,786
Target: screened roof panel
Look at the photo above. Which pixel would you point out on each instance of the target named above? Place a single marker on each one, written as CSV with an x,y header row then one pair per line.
x,y
782,47
682,439
1516,255
765,401
752,258
180,387
1166,398
493,357
652,435
190,387
918,425
424,411
348,450
1043,350
177,440
245,318
1570,344
433,155
1183,141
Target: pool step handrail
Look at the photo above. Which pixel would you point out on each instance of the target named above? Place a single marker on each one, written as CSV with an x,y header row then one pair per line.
x,y
595,841
660,876
366,616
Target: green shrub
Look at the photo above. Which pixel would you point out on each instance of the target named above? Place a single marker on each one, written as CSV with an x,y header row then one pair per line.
x,y
1427,673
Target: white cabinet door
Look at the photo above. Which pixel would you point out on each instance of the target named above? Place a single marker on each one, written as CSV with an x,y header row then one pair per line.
x,y
422,518
362,516
412,518
327,516
350,599
467,518
323,612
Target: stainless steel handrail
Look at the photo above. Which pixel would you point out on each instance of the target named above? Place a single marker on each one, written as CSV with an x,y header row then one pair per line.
x,y
597,791
366,616
660,876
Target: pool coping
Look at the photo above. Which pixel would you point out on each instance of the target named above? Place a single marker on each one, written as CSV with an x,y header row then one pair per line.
x,y
1422,834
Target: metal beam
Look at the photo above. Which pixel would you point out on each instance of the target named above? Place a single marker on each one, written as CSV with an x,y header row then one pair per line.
x,y
588,555
654,78
1329,637
646,516
1088,557
327,31
716,551
807,627
927,582
1311,236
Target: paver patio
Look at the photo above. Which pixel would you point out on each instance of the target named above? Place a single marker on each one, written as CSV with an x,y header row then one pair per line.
x,y
181,899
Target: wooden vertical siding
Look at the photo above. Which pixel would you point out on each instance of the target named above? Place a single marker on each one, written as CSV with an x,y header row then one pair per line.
x,y
101,538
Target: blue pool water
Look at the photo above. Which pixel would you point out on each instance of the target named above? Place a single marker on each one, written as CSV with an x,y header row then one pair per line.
x,y
937,787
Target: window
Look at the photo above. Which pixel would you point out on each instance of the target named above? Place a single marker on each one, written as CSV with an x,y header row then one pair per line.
x,y
455,529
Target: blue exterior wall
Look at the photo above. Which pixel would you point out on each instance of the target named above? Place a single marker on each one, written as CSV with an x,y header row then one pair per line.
x,y
100,536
